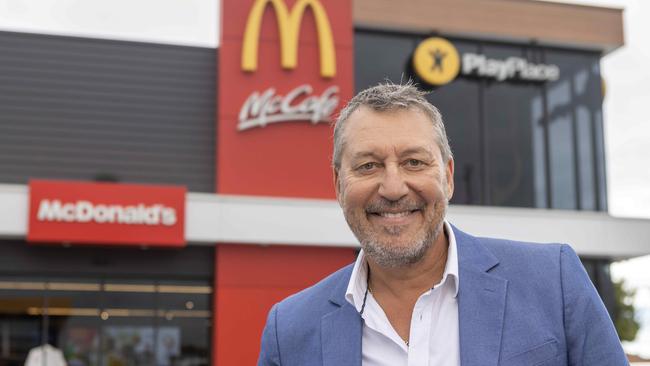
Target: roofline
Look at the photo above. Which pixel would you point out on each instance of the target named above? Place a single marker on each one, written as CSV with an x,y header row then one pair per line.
x,y
545,22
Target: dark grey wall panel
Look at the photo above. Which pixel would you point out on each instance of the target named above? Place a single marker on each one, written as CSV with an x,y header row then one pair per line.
x,y
77,108
19,259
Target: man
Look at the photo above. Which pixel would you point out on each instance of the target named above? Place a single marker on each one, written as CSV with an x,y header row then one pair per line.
x,y
421,291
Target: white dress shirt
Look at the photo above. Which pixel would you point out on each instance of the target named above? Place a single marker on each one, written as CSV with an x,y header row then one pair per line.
x,y
433,339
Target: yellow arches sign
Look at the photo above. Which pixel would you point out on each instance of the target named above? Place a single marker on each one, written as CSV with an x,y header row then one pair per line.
x,y
289,31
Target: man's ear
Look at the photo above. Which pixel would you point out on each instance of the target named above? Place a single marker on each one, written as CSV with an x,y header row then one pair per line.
x,y
337,186
449,172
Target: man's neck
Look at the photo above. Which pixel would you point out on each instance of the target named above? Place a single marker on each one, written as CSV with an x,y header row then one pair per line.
x,y
412,280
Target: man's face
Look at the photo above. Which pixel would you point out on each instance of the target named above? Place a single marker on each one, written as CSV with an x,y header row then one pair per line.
x,y
393,184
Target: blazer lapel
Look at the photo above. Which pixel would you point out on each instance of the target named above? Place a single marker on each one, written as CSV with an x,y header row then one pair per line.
x,y
481,303
341,331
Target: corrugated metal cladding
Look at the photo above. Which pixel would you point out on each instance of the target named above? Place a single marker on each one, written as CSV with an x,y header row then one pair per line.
x,y
91,109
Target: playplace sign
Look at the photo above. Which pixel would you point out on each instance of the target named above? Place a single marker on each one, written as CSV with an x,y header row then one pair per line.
x,y
106,213
438,62
285,69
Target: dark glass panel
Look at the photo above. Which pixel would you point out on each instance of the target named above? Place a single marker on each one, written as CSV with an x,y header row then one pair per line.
x,y
575,126
106,322
586,163
129,322
588,100
595,99
379,57
458,102
560,129
503,133
601,165
186,325
512,110
20,324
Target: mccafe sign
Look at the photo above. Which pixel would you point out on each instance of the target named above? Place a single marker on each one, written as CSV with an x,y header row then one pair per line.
x,y
106,213
438,62
299,104
285,68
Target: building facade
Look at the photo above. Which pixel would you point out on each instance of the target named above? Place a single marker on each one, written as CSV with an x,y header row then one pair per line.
x,y
99,129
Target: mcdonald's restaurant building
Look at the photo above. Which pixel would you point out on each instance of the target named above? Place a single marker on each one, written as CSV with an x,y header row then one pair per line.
x,y
157,196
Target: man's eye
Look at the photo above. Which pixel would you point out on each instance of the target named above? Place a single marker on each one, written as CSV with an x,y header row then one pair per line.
x,y
367,166
414,163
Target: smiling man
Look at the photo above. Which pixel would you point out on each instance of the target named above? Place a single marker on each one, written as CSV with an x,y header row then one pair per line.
x,y
421,291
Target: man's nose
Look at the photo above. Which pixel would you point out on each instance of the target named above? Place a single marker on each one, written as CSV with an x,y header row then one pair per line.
x,y
393,184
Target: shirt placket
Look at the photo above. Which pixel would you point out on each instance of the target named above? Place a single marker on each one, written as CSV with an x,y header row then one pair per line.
x,y
419,339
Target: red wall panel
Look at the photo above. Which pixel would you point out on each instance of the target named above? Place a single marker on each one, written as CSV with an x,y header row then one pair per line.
x,y
289,158
249,279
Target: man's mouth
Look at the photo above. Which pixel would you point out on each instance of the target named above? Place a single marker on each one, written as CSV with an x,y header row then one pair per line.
x,y
394,214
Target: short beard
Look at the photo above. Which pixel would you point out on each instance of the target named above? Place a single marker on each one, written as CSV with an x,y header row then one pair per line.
x,y
396,256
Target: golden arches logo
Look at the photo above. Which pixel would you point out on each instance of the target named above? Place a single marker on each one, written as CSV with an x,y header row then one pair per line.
x,y
289,29
436,61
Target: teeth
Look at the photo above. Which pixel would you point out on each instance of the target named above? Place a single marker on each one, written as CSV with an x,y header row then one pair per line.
x,y
393,215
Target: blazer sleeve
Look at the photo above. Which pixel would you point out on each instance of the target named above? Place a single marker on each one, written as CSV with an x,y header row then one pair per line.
x,y
270,351
591,336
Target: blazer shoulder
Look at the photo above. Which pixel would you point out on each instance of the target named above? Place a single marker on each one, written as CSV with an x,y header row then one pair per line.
x,y
506,249
526,262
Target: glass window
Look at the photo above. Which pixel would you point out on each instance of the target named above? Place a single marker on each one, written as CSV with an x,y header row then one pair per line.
x,y
512,114
458,102
595,98
107,321
601,166
561,133
574,107
379,57
515,143
587,85
21,327
586,158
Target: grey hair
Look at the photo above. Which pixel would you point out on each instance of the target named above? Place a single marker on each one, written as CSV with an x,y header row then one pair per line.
x,y
390,97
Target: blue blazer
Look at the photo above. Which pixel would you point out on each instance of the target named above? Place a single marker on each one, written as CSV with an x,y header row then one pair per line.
x,y
519,304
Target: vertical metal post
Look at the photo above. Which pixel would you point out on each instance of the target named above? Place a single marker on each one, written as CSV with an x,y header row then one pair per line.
x,y
45,324
547,145
156,322
483,145
576,149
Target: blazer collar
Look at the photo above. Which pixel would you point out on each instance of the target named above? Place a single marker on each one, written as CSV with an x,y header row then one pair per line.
x,y
481,303
341,329
481,309
338,294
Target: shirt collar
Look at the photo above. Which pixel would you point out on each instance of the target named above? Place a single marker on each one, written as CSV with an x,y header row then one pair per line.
x,y
359,278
